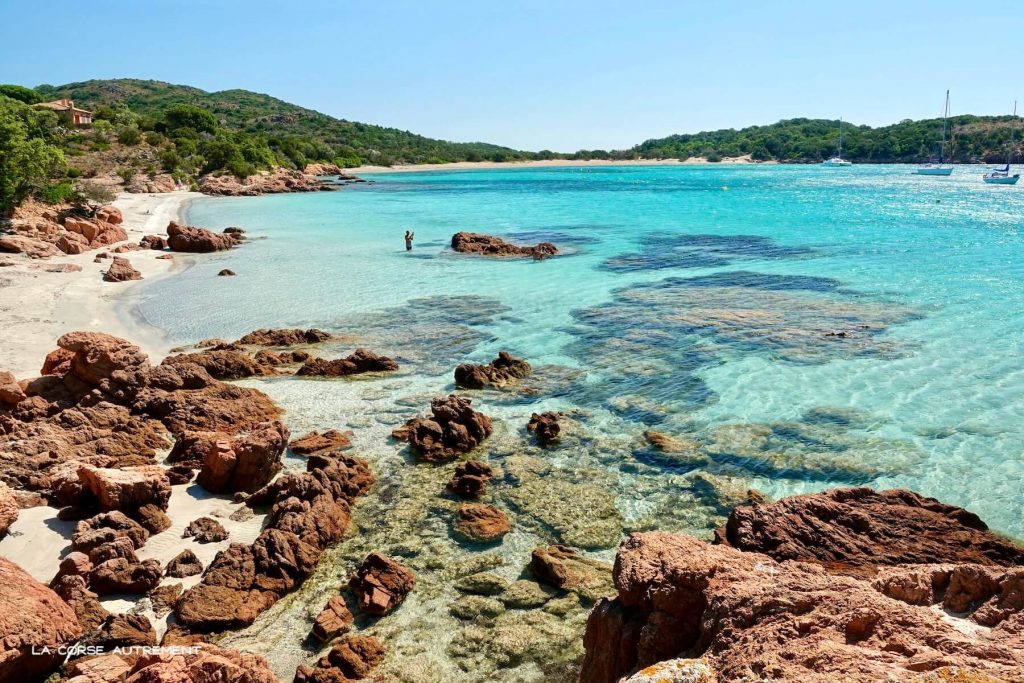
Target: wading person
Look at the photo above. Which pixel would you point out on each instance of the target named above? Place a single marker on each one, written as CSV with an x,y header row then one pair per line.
x,y
408,240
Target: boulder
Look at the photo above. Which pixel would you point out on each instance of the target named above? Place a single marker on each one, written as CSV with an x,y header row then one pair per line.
x,y
226,272
164,597
353,658
223,363
855,529
184,564
284,337
315,442
545,427
358,362
74,243
106,527
196,240
74,590
563,567
470,479
18,244
453,429
11,392
118,548
124,576
124,630
154,242
126,489
34,623
121,270
152,517
381,584
500,372
333,621
205,663
206,530
488,245
109,214
481,523
246,463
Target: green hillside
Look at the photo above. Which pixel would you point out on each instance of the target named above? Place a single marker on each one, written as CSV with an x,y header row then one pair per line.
x,y
279,121
973,139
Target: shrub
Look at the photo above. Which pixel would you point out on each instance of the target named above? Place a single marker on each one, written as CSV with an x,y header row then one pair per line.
x,y
153,138
96,192
129,135
57,193
126,173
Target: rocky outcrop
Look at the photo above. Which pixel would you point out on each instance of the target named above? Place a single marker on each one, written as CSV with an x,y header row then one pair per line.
x,y
454,428
144,183
855,530
205,663
309,512
470,479
36,249
153,242
45,232
224,363
127,489
184,564
481,523
32,619
284,337
8,509
500,372
849,584
487,245
245,463
198,240
278,181
120,575
545,427
333,621
121,270
74,590
317,443
358,362
206,530
105,528
353,658
380,584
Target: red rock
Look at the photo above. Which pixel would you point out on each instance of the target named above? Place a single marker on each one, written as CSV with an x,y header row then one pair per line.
x,y
470,478
334,620
123,576
486,245
315,442
563,567
148,184
99,669
381,584
454,428
32,617
121,270
853,530
358,362
126,489
11,392
208,664
106,527
184,564
246,463
481,523
8,509
500,372
223,363
57,362
153,242
196,240
354,657
284,337
226,272
206,530
121,548
74,590
74,564
269,182
152,518
17,244
124,630
109,214
545,426
794,621
163,598
72,243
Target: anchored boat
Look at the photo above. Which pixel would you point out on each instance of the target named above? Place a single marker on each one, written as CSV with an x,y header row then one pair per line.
x,y
1001,176
838,159
939,167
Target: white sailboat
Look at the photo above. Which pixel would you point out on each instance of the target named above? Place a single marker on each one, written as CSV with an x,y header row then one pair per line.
x,y
838,159
939,167
1001,176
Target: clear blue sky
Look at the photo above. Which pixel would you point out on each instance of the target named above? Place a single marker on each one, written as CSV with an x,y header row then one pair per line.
x,y
561,75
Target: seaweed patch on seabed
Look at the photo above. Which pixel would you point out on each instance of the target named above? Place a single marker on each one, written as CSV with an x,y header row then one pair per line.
x,y
660,251
433,332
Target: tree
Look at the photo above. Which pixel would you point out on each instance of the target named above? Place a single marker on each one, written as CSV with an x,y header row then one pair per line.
x,y
21,93
189,116
27,161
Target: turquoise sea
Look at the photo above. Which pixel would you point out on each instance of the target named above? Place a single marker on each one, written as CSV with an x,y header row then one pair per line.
x,y
796,327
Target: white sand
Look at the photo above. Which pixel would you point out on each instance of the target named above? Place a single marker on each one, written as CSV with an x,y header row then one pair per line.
x,y
36,306
548,163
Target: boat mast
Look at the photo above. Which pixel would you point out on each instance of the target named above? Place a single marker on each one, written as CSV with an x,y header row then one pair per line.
x,y
945,116
841,133
1009,152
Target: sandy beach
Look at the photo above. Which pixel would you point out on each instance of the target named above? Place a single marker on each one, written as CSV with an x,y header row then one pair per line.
x,y
547,163
40,302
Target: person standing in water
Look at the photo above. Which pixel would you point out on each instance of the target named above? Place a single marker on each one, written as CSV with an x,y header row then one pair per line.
x,y
408,240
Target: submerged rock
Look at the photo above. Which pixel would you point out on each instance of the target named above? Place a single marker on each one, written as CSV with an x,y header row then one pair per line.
x,y
500,372
358,362
545,426
481,523
315,442
284,337
334,620
352,658
470,478
564,568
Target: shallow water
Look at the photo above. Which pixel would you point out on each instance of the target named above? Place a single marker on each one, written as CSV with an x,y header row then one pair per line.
x,y
803,327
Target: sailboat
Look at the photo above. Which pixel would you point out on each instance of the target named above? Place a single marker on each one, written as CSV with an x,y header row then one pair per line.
x,y
939,167
838,159
1001,176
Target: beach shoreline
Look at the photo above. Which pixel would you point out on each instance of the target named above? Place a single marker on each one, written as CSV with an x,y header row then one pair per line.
x,y
40,305
549,163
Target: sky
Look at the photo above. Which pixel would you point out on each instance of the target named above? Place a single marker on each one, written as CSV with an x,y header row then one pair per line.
x,y
560,75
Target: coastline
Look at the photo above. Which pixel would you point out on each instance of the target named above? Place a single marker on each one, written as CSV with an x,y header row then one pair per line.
x,y
550,163
40,305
